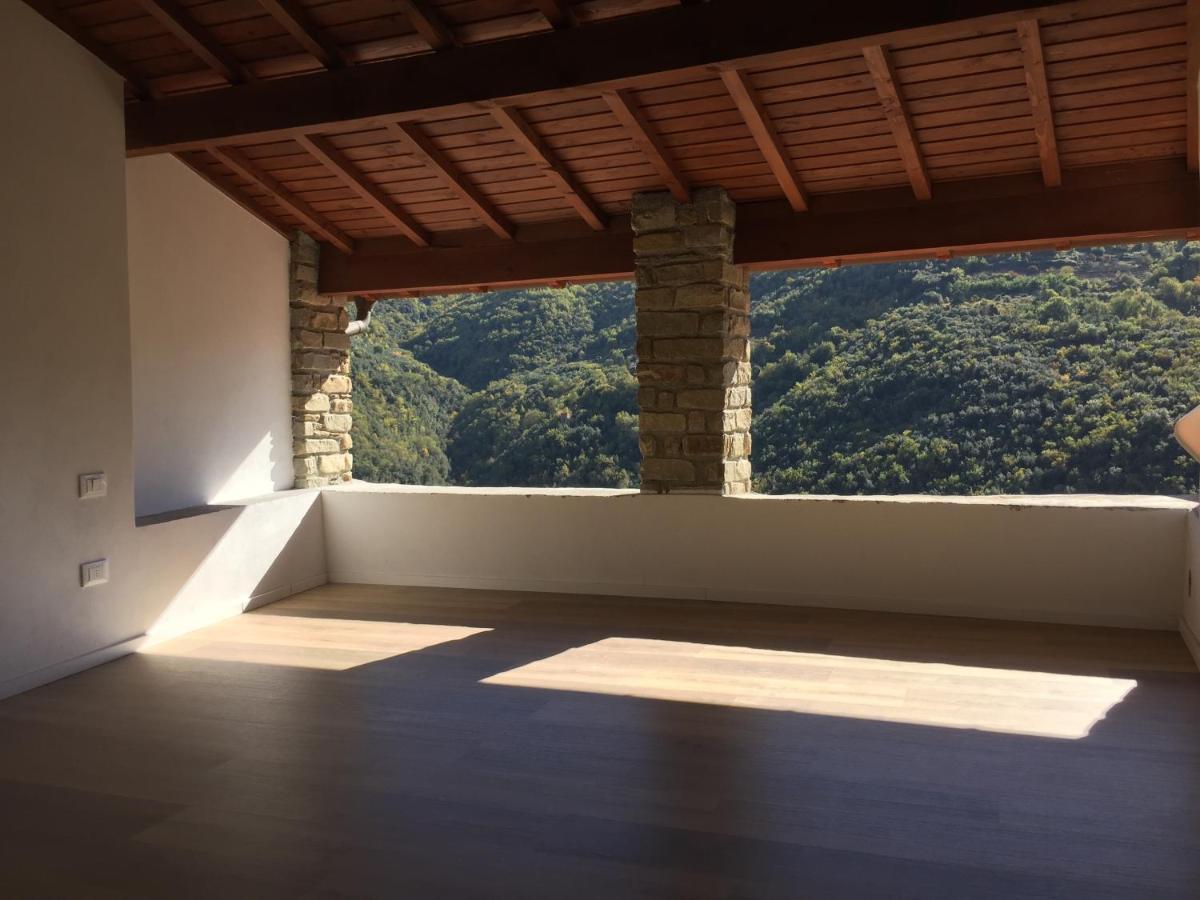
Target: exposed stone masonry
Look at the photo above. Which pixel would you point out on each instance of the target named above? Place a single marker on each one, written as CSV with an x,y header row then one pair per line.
x,y
321,405
693,345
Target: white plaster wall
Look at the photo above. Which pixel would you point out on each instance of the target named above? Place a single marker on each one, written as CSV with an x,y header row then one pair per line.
x,y
209,316
65,365
67,372
1111,561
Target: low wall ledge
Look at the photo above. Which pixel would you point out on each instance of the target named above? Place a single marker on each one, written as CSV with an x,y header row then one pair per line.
x,y
1011,501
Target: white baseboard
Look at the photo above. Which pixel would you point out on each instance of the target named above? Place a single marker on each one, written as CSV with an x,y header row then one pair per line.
x,y
911,606
67,667
1191,639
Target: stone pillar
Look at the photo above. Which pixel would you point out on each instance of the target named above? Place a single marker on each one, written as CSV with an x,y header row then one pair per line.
x,y
693,345
321,404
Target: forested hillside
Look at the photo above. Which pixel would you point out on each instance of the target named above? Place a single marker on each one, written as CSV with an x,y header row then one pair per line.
x,y
1032,373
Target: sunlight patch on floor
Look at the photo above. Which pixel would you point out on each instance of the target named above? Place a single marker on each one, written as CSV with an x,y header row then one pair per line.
x,y
1010,701
306,642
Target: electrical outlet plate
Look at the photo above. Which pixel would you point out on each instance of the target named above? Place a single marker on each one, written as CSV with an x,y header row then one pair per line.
x,y
93,485
93,573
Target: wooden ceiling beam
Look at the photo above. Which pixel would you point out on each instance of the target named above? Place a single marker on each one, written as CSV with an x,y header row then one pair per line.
x,y
177,20
233,159
296,22
418,145
549,66
1030,35
323,150
524,136
762,129
1193,85
883,73
559,13
429,24
49,11
625,107
1097,205
244,200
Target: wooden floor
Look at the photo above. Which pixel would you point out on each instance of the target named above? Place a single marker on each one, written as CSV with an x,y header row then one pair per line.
x,y
358,741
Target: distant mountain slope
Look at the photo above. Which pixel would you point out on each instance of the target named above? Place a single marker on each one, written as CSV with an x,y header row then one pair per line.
x,y
1028,372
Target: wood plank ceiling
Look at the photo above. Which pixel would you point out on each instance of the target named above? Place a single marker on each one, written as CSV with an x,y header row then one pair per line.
x,y
1068,87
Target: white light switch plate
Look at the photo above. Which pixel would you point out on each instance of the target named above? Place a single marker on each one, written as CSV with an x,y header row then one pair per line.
x,y
93,573
93,485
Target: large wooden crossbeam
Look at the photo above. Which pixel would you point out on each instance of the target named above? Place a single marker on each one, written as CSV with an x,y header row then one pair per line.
x,y
178,20
429,24
879,63
536,148
1107,204
313,39
324,152
418,145
238,163
1030,35
641,131
766,137
613,54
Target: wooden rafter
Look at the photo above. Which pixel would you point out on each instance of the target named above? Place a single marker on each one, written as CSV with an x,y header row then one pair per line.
x,y
311,37
242,199
419,146
323,150
1193,85
765,136
558,13
177,20
49,11
1096,205
625,107
883,73
1030,35
237,161
665,44
429,24
523,134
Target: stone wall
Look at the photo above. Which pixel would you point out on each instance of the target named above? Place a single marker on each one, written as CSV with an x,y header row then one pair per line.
x,y
693,345
321,405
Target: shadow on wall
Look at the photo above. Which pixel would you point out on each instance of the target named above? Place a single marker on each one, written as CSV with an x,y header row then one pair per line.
x,y
231,558
194,568
410,769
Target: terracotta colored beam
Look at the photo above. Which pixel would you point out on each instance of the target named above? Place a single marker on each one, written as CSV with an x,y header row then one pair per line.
x,y
879,63
665,44
429,24
625,107
311,37
1096,205
524,136
765,136
419,146
177,20
1030,35
323,150
237,161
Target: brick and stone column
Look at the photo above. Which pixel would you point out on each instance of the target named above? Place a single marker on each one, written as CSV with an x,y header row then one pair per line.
x,y
321,405
693,345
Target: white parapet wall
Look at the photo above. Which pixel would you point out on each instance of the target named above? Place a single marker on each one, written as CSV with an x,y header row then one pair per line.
x,y
1097,560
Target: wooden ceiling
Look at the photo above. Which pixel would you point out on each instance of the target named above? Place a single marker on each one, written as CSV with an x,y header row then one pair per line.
x,y
462,143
